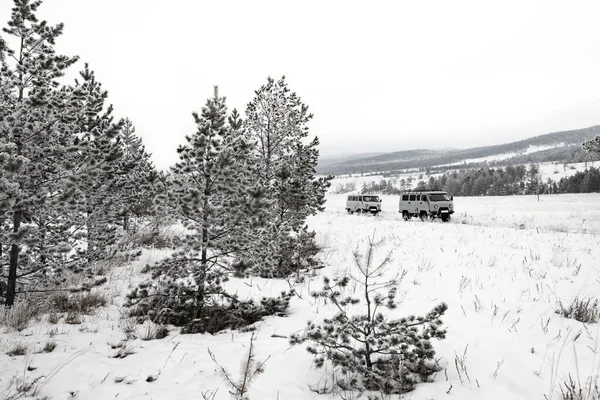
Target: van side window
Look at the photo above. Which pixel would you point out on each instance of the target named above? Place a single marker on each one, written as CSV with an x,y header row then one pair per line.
x,y
404,197
412,197
424,197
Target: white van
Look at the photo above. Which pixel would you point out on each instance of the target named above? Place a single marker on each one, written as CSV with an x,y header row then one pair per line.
x,y
363,203
433,204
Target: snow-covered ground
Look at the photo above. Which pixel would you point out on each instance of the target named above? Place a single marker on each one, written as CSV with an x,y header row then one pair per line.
x,y
504,156
502,265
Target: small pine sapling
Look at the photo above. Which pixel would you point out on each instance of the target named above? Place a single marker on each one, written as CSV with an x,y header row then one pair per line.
x,y
249,371
385,354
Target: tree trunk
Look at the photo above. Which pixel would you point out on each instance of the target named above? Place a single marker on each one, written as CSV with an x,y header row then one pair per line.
x,y
11,284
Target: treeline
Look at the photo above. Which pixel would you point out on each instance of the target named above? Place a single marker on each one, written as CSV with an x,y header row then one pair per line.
x,y
74,181
512,180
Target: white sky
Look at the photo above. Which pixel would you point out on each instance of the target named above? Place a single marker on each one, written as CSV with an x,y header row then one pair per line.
x,y
379,76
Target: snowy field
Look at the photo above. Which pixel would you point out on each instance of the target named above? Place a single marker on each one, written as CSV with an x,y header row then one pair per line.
x,y
502,265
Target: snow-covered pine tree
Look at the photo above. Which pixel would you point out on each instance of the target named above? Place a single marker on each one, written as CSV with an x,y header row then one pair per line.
x,y
138,190
53,140
99,199
215,201
36,144
276,119
593,146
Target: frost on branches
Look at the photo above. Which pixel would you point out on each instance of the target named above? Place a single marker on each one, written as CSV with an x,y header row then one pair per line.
x,y
368,349
218,201
276,120
59,161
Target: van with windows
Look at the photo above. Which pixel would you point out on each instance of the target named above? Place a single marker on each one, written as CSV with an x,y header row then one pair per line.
x,y
423,204
363,203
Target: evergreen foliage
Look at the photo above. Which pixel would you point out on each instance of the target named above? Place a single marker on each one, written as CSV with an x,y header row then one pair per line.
x,y
61,160
277,122
512,180
38,147
377,352
593,146
212,192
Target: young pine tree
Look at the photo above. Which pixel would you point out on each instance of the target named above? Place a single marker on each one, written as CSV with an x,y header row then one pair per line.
x,y
215,201
277,122
37,145
100,199
137,190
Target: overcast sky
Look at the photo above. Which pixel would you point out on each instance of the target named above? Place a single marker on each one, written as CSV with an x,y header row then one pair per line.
x,y
378,76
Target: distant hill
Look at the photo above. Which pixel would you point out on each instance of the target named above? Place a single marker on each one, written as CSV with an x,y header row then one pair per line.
x,y
329,160
552,147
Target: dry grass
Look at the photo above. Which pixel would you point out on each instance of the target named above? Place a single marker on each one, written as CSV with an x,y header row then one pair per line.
x,y
572,390
78,302
18,316
152,331
49,347
586,311
19,349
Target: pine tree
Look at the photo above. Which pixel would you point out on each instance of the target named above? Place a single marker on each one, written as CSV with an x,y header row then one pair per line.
x,y
55,141
377,352
277,120
138,188
36,143
100,187
593,146
215,202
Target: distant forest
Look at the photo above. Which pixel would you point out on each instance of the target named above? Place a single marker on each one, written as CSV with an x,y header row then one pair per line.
x,y
511,180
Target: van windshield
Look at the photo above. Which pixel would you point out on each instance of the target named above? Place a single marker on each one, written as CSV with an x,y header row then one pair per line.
x,y
371,198
439,197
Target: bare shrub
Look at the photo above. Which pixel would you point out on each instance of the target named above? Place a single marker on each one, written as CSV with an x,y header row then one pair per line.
x,y
586,311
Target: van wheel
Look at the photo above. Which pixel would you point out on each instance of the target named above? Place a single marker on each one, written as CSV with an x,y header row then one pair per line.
x,y
445,218
349,211
405,216
423,216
